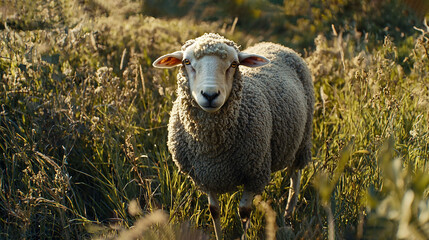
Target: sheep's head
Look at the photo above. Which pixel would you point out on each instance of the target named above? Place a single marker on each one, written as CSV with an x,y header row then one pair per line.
x,y
210,62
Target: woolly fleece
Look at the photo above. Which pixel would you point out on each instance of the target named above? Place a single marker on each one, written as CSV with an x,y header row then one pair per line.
x,y
264,126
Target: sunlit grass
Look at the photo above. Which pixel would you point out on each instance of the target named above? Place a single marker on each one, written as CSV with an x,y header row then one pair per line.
x,y
83,132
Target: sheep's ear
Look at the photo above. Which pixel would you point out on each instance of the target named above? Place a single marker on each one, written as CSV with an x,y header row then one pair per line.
x,y
252,60
169,60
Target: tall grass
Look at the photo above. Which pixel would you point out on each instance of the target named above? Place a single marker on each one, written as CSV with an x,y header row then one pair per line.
x,y
83,121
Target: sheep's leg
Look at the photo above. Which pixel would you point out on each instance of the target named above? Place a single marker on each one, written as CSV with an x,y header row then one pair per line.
x,y
245,208
215,212
295,180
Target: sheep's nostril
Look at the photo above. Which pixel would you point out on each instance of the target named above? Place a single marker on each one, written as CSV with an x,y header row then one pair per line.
x,y
210,96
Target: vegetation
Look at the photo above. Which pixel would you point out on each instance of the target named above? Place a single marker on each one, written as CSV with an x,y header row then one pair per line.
x,y
83,120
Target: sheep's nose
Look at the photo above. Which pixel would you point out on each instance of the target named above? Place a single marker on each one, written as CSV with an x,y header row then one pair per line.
x,y
210,96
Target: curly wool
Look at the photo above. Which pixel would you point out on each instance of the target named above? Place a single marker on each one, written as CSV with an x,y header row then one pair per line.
x,y
264,126
198,123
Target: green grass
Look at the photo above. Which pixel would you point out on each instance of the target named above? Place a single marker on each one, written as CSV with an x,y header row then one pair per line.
x,y
83,119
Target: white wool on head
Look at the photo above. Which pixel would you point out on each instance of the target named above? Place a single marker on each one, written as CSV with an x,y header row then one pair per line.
x,y
211,44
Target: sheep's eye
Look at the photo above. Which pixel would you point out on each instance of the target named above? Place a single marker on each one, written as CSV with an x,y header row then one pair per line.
x,y
186,62
234,64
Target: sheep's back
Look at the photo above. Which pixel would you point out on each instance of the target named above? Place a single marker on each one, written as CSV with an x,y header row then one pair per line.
x,y
287,85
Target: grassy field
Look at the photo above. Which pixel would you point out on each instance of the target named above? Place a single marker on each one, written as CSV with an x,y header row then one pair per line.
x,y
83,119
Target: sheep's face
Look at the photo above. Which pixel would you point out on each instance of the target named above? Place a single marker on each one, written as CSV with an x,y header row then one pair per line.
x,y
210,76
210,69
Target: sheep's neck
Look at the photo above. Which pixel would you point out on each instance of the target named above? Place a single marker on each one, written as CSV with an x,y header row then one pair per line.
x,y
211,128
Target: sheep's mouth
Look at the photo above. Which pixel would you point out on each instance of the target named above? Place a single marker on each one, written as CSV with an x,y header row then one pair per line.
x,y
209,105
210,108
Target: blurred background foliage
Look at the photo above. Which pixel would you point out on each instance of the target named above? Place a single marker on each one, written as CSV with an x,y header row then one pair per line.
x,y
83,118
297,22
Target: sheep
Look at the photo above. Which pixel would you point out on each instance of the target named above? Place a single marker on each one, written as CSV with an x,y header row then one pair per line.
x,y
233,126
